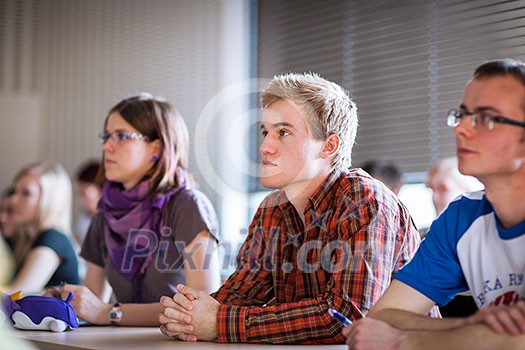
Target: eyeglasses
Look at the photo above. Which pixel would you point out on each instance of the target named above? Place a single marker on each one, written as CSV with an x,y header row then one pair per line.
x,y
486,121
120,136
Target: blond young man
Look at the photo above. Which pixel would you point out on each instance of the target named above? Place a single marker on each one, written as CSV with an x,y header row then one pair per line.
x,y
328,237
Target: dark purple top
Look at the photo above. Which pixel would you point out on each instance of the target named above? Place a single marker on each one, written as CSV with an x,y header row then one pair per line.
x,y
187,213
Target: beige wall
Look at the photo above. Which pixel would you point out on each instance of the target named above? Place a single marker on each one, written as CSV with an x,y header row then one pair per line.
x,y
64,63
20,121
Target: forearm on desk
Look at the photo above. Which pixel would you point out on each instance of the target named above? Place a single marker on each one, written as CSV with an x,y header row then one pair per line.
x,y
479,337
303,322
141,315
406,320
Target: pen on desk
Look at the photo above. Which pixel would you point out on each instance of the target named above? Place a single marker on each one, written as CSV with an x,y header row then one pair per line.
x,y
339,316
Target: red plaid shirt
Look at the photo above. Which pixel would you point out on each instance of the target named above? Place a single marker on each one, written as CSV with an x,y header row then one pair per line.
x,y
356,235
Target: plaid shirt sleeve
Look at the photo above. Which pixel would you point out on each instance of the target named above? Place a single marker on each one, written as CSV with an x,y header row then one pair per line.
x,y
377,238
251,283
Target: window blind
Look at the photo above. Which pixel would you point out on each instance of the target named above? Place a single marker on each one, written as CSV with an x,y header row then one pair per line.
x,y
405,63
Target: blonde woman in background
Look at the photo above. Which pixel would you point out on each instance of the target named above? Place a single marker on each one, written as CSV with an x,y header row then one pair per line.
x,y
41,213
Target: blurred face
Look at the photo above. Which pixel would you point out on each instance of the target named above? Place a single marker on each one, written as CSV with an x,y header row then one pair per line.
x,y
290,156
127,161
7,226
500,152
25,200
88,195
443,191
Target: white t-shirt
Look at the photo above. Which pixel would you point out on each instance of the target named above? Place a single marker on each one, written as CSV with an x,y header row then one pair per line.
x,y
467,249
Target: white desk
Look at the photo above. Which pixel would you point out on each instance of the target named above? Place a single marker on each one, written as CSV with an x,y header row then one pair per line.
x,y
131,338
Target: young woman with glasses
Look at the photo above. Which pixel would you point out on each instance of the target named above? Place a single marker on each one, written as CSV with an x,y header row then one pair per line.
x,y
153,229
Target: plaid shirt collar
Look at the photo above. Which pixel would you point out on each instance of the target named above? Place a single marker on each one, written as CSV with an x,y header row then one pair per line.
x,y
320,199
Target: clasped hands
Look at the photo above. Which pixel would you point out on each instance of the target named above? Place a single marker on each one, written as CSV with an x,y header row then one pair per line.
x,y
190,315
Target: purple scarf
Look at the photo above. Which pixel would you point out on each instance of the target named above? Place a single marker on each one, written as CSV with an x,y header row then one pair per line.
x,y
125,211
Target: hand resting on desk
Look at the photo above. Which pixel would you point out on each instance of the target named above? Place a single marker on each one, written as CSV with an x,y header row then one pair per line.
x,y
87,305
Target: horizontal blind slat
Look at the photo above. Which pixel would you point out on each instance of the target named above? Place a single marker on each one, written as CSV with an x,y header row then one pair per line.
x,y
405,63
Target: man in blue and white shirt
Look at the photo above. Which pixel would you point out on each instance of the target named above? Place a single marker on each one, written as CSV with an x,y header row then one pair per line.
x,y
477,243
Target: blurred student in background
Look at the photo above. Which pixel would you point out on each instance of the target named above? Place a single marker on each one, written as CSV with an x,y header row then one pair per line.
x,y
41,227
446,183
6,233
7,226
6,262
152,230
386,171
89,191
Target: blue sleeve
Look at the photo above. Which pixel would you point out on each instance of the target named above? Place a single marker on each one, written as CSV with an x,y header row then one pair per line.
x,y
435,270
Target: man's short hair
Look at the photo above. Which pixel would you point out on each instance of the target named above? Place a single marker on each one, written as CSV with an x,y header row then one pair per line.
x,y
507,66
503,67
326,106
89,172
385,170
